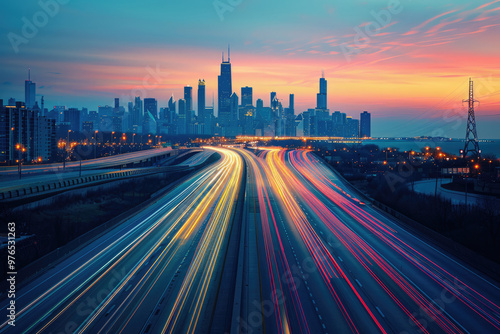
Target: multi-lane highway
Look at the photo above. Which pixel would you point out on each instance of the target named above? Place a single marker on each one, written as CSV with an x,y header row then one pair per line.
x,y
272,242
158,271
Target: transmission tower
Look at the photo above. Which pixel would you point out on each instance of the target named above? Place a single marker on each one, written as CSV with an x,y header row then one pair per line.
x,y
471,141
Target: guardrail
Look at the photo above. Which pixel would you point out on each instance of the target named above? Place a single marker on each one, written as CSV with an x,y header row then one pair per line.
x,y
51,186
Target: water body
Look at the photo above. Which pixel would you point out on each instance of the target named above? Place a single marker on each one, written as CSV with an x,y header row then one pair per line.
x,y
451,147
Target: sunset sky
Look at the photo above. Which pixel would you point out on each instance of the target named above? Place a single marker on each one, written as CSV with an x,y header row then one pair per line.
x,y
407,62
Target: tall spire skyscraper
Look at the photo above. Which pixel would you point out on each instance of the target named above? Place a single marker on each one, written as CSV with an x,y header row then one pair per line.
x,y
224,94
29,91
322,96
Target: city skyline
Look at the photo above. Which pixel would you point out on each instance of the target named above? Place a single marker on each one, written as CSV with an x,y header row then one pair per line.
x,y
412,72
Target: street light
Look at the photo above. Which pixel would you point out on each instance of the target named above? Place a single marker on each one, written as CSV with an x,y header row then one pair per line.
x,y
21,149
95,144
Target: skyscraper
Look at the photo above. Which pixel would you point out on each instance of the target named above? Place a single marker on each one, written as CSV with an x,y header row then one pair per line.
x,y
72,116
365,124
273,96
171,104
246,96
29,92
201,101
181,125
188,97
224,93
151,105
117,105
137,115
322,96
234,129
290,118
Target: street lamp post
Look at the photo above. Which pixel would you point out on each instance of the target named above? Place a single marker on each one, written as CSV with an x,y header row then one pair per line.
x,y
95,144
20,149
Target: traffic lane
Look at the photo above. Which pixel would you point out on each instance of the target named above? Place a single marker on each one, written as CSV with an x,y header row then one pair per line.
x,y
130,310
274,317
438,288
75,303
339,286
73,262
301,305
447,273
193,305
387,299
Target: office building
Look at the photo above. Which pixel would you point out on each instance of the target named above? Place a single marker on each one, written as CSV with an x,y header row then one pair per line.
x,y
151,105
181,120
29,92
72,116
234,129
224,94
137,113
149,124
365,125
202,117
322,95
246,96
290,117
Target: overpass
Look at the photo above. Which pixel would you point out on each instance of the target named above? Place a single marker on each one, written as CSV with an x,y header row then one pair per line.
x,y
52,183
128,160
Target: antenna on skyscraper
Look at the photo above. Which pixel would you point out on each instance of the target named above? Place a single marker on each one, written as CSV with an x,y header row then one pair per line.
x,y
323,74
29,74
222,56
229,53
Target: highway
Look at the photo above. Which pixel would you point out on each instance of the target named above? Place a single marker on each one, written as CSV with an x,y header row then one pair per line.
x,y
306,254
330,263
105,162
156,272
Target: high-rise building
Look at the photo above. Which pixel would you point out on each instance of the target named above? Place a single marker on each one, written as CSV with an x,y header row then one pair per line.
x,y
137,114
322,96
202,118
365,125
234,107
273,97
246,96
151,105
72,116
224,94
188,97
29,92
290,118
24,136
171,104
352,127
149,124
181,120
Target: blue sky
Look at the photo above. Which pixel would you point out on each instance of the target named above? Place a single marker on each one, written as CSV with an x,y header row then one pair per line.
x,y
403,67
